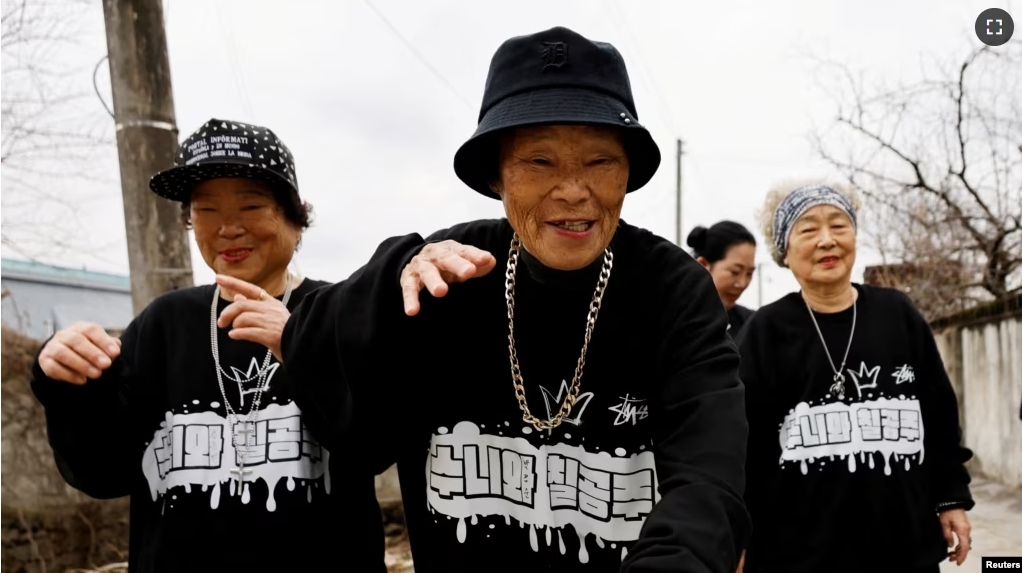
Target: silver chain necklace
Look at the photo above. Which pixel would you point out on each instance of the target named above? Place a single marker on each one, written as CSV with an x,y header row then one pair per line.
x,y
838,387
233,417
516,372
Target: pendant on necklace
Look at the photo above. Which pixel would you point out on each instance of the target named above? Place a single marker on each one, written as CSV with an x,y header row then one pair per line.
x,y
838,387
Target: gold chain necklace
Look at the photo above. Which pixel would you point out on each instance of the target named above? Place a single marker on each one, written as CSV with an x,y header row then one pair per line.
x,y
516,372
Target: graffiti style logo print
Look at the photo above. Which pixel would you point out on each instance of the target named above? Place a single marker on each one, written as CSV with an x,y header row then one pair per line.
x,y
553,404
630,410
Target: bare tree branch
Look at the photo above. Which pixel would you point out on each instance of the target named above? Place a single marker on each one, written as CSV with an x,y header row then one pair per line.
x,y
54,131
940,161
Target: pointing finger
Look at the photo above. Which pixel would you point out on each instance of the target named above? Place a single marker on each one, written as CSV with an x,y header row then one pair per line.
x,y
249,290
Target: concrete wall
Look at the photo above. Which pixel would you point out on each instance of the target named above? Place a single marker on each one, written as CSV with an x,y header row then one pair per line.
x,y
388,489
984,361
30,477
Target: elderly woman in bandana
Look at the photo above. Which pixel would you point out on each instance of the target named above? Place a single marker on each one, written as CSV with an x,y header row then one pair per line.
x,y
580,410
855,456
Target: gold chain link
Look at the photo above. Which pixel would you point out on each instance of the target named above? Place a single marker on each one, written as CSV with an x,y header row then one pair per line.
x,y
516,372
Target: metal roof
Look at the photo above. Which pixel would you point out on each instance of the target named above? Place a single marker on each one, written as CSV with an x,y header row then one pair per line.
x,y
39,298
31,271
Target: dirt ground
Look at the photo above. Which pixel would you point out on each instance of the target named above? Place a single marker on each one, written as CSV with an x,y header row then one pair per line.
x,y
399,555
93,538
86,537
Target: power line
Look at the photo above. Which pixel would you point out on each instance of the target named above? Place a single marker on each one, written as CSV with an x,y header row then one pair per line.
x,y
421,58
621,24
95,85
235,64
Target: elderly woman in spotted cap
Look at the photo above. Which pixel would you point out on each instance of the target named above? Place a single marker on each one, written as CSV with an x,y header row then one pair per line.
x,y
196,422
855,460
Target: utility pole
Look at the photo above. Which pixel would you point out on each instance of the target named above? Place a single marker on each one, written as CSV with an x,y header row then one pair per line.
x,y
158,253
677,225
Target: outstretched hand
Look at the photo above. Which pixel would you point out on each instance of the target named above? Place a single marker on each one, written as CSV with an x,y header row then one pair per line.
x,y
439,265
254,315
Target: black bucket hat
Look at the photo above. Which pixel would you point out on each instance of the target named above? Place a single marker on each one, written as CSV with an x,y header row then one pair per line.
x,y
224,148
555,77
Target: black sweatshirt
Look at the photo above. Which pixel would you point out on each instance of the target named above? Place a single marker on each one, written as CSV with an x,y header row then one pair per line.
x,y
737,316
659,420
856,485
153,427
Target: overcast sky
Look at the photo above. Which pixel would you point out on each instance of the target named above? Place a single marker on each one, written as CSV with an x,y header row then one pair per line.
x,y
374,129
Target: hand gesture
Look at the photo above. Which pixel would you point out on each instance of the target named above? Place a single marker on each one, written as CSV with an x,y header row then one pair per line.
x,y
79,353
254,315
441,264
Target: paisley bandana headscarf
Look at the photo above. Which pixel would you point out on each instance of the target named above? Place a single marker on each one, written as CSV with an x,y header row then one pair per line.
x,y
797,203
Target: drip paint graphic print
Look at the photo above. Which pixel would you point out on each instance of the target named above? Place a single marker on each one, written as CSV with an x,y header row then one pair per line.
x,y
809,434
196,449
471,474
856,432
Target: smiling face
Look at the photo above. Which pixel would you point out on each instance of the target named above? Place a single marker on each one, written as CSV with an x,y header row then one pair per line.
x,y
821,248
732,274
241,230
563,188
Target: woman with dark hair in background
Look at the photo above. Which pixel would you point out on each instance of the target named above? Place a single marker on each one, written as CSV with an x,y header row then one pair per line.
x,y
728,251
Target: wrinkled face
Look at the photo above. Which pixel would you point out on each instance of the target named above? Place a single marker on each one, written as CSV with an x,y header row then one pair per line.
x,y
821,248
241,230
732,274
563,188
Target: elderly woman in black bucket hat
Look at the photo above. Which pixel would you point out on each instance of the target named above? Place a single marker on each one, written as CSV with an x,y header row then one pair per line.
x,y
196,423
580,411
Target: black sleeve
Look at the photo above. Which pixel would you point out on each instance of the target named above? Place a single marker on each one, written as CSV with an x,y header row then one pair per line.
x,y
348,349
92,427
764,449
943,433
700,524
338,350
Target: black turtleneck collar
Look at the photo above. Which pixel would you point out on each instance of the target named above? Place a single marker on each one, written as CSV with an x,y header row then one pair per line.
x,y
583,279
